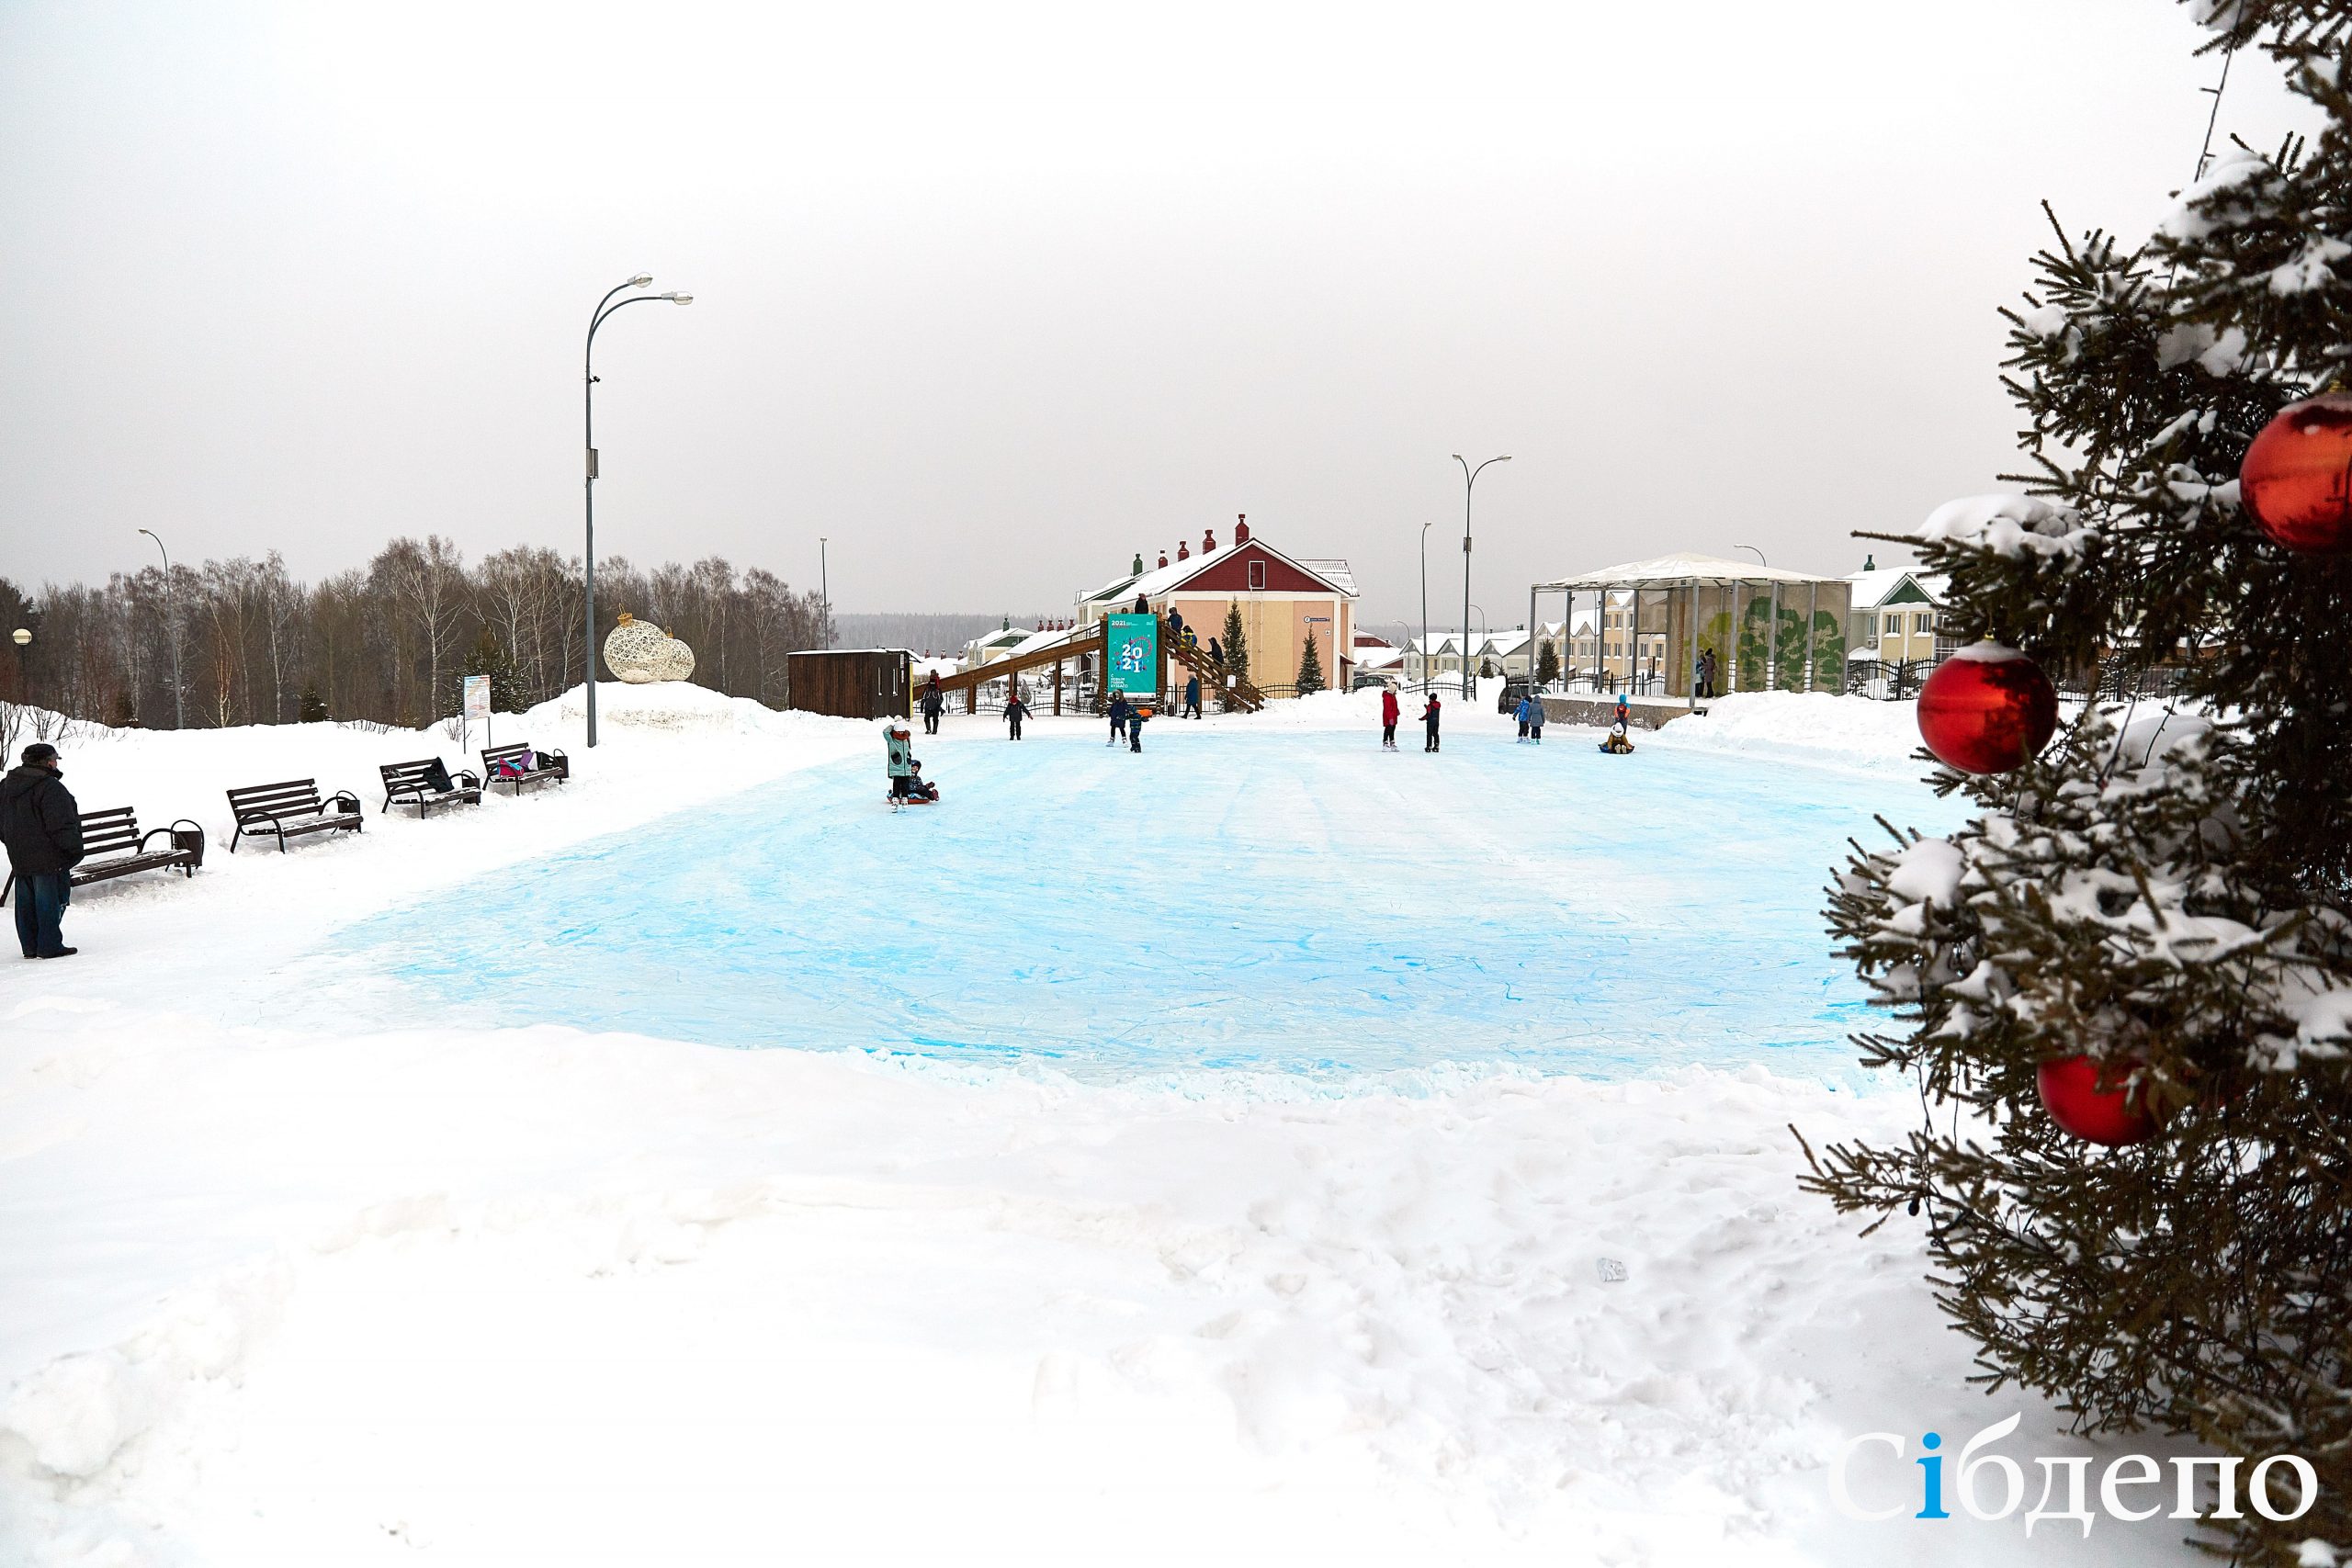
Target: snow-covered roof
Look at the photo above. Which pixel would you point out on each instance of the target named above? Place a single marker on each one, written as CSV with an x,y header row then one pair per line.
x,y
1661,572
1873,589
1338,574
1163,579
1380,658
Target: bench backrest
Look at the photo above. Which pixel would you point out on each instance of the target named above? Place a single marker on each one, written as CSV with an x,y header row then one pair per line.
x,y
493,755
403,776
104,832
288,800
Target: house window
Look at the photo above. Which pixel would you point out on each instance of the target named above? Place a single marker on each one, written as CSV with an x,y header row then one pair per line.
x,y
1257,575
1923,622
1870,629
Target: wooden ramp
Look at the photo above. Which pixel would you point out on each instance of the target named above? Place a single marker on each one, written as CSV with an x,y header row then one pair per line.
x,y
1087,642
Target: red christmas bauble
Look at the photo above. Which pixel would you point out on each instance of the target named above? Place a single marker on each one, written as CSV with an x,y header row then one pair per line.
x,y
2070,1092
1987,709
2297,477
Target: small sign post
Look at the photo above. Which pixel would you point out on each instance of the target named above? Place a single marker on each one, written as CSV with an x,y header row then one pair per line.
x,y
476,705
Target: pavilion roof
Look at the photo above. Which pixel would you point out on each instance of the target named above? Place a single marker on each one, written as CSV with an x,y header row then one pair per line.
x,y
1680,572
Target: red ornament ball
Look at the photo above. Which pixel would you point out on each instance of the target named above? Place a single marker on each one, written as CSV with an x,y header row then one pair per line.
x,y
1987,709
2070,1092
2297,477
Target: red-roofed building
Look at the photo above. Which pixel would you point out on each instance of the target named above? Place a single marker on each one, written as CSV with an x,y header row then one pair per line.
x,y
1284,600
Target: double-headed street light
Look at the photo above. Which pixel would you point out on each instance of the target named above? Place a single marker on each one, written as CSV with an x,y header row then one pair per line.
x,y
604,307
1469,482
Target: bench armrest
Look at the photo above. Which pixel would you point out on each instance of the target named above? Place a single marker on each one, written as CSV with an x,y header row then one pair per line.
x,y
345,799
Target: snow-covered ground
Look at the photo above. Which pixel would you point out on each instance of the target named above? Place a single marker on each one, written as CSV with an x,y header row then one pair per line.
x,y
287,1280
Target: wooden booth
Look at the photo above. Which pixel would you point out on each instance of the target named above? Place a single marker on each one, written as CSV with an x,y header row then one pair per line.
x,y
852,682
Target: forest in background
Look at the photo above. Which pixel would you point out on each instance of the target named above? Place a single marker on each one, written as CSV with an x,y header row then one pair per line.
x,y
241,641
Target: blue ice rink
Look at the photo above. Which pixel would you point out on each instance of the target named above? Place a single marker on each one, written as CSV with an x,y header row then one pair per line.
x,y
1296,901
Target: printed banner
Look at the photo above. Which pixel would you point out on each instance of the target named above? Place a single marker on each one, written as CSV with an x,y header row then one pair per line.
x,y
1131,655
477,697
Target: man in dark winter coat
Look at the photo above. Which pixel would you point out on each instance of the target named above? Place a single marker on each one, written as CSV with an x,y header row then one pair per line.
x,y
41,826
1192,696
1118,718
932,704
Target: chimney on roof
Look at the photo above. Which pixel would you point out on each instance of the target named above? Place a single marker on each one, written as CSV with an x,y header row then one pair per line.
x,y
1138,568
1241,528
1869,563
1208,540
1183,550
1163,558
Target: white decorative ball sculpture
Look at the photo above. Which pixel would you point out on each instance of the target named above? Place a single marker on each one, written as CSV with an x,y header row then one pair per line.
x,y
673,662
633,652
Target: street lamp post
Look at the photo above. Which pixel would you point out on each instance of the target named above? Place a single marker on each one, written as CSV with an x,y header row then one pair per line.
x,y
171,627
1469,483
1752,550
23,637
1484,636
1425,604
604,307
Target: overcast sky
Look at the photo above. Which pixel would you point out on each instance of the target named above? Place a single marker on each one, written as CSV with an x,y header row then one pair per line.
x,y
997,295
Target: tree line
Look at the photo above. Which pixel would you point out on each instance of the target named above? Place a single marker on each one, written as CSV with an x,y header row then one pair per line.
x,y
241,641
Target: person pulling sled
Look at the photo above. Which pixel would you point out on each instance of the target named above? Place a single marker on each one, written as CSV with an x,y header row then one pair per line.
x,y
908,786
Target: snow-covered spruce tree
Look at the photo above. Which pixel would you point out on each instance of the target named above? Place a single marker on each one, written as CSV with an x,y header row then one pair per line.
x,y
1310,670
2166,891
1235,648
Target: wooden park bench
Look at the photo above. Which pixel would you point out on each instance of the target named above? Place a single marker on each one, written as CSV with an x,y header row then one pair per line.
x,y
517,765
291,810
410,781
115,834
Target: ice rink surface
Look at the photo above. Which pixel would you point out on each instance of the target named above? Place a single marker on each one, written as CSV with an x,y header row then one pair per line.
x,y
1292,901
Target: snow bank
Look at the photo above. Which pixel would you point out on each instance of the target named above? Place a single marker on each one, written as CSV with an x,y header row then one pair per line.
x,y
525,1297
1806,727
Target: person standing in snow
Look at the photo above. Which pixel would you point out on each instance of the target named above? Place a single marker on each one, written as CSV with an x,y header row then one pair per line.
x,y
1014,712
41,826
932,704
1429,723
1118,718
1521,715
1535,720
1388,719
1192,696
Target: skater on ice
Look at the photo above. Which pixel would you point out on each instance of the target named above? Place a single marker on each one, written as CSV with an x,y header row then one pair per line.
x,y
932,704
1524,705
1014,712
1429,723
1536,718
1136,715
1388,719
1118,710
